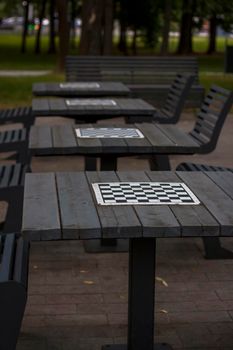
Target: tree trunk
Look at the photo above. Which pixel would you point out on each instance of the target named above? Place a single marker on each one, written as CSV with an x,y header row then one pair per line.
x,y
91,34
25,27
185,41
73,15
38,34
166,27
63,30
212,34
108,27
134,42
52,35
122,46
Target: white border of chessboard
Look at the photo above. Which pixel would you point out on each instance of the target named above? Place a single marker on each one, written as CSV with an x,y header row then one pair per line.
x,y
100,201
79,85
111,133
90,102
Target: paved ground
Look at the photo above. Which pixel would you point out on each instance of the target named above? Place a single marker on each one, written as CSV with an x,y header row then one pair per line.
x,y
78,301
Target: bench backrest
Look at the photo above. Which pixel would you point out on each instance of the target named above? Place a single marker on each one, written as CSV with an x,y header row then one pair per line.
x,y
201,167
177,95
211,117
14,253
129,70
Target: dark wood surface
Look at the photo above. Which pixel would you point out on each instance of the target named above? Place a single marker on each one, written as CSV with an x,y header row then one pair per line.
x,y
63,206
123,107
159,139
104,89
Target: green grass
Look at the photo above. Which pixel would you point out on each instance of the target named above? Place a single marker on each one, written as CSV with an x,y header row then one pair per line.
x,y
12,58
18,91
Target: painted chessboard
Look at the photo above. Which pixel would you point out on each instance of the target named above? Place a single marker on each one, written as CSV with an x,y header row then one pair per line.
x,y
144,193
79,85
102,133
90,102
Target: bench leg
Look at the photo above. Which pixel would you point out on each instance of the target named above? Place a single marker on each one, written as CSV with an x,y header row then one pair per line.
x,y
24,155
13,298
214,250
13,222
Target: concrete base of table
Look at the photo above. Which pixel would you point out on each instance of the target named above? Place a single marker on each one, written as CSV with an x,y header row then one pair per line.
x,y
106,246
161,346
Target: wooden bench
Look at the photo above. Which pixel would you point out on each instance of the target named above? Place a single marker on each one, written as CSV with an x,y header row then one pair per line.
x,y
147,77
15,140
21,115
14,254
11,191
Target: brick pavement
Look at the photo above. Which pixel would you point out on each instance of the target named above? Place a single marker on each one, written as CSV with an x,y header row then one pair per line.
x,y
78,301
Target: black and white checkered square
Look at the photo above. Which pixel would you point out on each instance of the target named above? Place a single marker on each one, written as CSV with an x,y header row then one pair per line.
x,y
79,85
133,193
90,102
106,133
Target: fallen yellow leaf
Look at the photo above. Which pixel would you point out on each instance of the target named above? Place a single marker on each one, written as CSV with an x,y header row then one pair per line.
x,y
88,282
163,311
161,280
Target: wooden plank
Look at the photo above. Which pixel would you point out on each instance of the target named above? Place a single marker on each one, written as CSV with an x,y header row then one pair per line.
x,y
41,220
156,220
88,146
159,141
219,204
223,179
195,220
40,139
77,208
116,221
139,146
57,106
113,146
7,259
40,106
184,143
131,106
64,139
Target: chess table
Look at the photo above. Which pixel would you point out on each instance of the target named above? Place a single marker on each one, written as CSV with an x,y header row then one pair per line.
x,y
111,142
92,109
59,206
81,89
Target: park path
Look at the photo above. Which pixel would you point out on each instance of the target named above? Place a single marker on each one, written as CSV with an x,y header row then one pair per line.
x,y
23,73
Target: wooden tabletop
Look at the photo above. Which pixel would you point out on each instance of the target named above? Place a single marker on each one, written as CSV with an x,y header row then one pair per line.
x,y
117,107
81,89
63,206
62,139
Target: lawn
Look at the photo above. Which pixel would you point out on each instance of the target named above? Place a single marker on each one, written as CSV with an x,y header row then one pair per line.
x,y
17,91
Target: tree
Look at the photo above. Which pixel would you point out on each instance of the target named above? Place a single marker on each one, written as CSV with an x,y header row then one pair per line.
x,y
108,26
25,26
167,14
186,27
52,45
41,17
63,30
91,34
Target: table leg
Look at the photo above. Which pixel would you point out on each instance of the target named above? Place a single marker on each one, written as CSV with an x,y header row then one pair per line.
x,y
159,162
90,163
108,163
214,250
141,297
